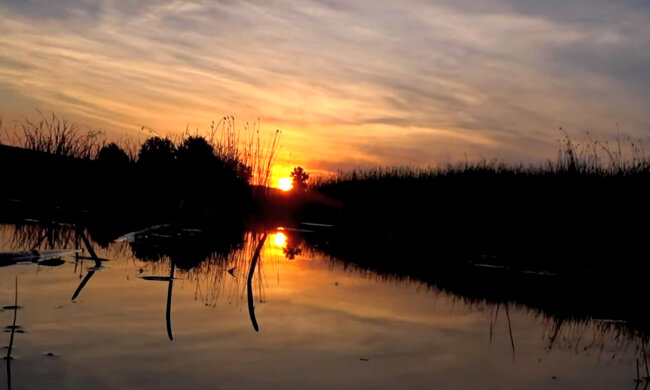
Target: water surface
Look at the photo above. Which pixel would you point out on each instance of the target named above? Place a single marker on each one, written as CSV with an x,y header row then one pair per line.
x,y
322,325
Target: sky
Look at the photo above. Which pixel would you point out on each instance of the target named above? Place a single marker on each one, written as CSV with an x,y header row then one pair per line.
x,y
349,83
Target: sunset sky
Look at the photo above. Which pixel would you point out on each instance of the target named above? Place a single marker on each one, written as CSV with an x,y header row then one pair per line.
x,y
349,83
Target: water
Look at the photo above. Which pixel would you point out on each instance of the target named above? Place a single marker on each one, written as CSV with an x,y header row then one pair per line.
x,y
322,325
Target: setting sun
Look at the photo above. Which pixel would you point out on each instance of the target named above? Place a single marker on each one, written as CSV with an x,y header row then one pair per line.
x,y
285,184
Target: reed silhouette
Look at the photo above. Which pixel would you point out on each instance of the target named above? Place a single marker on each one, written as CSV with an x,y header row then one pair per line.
x,y
170,289
249,282
13,327
93,256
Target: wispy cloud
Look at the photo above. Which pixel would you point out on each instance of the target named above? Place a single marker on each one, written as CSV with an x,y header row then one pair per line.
x,y
350,83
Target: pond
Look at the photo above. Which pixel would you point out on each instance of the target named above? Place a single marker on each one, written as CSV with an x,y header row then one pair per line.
x,y
167,308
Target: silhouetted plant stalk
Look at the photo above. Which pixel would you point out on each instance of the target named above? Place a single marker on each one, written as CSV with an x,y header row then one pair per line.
x,y
13,326
57,136
594,157
218,276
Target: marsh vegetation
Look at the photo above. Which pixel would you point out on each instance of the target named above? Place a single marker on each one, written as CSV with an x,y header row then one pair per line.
x,y
562,242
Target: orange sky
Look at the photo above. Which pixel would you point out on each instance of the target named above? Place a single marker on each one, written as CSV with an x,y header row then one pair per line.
x,y
349,84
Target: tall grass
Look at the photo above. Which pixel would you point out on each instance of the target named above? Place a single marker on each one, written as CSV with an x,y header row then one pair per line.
x,y
247,145
247,150
623,156
596,158
55,135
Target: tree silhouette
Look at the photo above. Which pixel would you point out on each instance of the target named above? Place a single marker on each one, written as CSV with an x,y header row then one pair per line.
x,y
299,179
112,155
195,151
156,152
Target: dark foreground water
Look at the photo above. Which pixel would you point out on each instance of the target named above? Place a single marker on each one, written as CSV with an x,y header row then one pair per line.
x,y
321,326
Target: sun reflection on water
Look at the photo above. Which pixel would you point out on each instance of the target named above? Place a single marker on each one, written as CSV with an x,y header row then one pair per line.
x,y
279,239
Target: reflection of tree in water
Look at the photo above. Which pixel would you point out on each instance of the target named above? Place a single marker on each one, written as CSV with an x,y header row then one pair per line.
x,y
146,251
216,262
203,256
186,248
290,252
293,246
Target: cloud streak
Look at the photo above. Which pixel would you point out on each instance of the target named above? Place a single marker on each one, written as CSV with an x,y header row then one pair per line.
x,y
350,83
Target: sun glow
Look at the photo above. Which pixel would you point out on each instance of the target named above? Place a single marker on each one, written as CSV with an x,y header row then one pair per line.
x,y
279,239
285,184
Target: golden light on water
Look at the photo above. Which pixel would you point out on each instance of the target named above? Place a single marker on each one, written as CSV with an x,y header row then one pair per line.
x,y
285,184
279,239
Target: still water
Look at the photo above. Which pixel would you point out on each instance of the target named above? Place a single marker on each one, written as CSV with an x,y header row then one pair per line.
x,y
322,324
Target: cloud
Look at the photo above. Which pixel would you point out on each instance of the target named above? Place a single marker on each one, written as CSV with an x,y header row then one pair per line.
x,y
436,80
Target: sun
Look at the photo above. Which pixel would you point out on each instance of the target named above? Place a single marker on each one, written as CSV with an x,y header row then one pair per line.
x,y
285,184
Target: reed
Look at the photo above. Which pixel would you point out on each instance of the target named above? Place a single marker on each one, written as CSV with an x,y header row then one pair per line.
x,y
246,148
55,135
593,158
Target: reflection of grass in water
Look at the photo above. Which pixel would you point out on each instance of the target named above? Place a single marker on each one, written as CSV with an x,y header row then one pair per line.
x,y
51,236
213,284
213,281
210,274
211,278
587,336
601,338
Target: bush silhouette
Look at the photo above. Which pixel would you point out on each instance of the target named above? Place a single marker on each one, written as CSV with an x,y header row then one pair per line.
x,y
195,151
156,152
112,155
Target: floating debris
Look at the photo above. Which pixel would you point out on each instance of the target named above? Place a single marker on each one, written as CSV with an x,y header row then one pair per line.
x,y
157,278
52,262
133,236
489,266
90,258
296,230
609,321
34,256
17,330
317,224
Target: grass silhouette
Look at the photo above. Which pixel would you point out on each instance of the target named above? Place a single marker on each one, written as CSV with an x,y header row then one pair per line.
x,y
194,175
